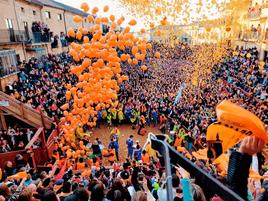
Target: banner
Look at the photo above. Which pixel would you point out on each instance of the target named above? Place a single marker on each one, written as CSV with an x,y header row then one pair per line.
x,y
234,124
240,120
222,138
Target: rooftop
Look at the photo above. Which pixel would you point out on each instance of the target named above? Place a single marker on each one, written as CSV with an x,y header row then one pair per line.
x,y
58,5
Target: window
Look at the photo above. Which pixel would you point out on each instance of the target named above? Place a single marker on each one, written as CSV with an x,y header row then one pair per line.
x,y
22,9
59,17
47,15
34,12
25,24
9,23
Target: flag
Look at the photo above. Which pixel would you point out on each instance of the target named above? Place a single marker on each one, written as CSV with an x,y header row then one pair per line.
x,y
179,93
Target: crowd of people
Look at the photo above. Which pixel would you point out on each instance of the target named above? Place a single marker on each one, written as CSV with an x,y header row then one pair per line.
x,y
142,178
41,32
163,95
14,139
41,83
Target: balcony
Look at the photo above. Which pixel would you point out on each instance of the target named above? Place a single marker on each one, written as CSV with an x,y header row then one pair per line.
x,y
250,36
39,37
12,36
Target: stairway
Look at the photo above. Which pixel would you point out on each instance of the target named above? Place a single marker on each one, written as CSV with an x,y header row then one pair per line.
x,y
23,112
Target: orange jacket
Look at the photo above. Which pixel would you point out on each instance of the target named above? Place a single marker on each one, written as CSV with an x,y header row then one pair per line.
x,y
177,142
145,159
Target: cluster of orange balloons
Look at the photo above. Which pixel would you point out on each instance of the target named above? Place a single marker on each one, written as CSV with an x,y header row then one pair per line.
x,y
99,68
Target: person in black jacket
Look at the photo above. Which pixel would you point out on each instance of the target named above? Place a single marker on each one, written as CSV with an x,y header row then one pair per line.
x,y
239,164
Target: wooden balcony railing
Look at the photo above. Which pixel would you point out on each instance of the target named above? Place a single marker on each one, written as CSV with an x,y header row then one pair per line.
x,y
24,112
34,155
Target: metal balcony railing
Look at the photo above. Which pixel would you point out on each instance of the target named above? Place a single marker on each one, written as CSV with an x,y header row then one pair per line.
x,y
10,35
39,37
252,36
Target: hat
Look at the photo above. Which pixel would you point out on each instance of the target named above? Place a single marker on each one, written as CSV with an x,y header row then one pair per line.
x,y
124,174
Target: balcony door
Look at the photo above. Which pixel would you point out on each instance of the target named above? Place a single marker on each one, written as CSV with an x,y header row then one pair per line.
x,y
26,29
10,28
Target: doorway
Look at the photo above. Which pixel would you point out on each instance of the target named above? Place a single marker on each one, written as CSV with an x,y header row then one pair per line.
x,y
10,28
26,29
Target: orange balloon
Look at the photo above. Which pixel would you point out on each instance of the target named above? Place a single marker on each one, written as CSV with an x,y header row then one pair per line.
x,y
95,10
65,113
90,18
114,25
129,61
127,29
164,21
143,68
79,35
124,77
98,20
105,20
158,32
86,39
132,22
68,86
106,8
135,61
84,31
228,29
149,46
72,52
142,30
124,57
122,18
119,22
77,19
157,55
84,6
65,106
86,63
134,50
71,33
112,18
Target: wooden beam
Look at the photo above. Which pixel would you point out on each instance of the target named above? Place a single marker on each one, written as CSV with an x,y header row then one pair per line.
x,y
35,137
3,122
